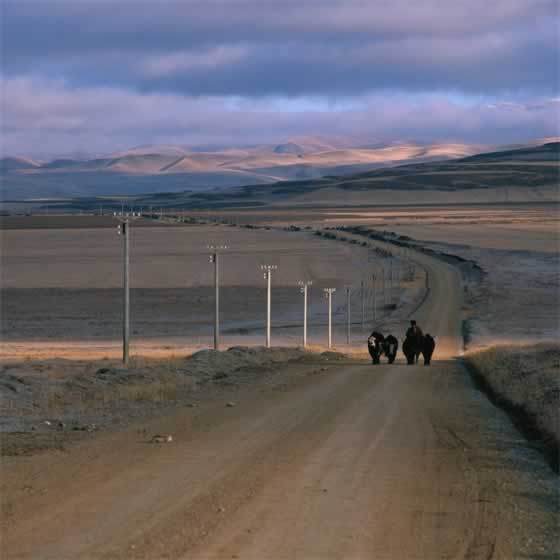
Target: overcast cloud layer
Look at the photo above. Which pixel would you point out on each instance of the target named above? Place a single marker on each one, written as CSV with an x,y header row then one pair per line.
x,y
100,75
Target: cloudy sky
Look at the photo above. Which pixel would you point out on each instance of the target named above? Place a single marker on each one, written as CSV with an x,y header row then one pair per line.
x,y
101,75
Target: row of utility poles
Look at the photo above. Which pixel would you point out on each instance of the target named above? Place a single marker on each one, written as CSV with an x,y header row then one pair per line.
x,y
268,269
125,220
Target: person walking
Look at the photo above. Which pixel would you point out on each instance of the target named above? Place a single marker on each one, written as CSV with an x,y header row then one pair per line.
x,y
416,338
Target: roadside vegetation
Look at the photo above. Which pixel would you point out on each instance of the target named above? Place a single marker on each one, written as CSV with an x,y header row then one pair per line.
x,y
526,381
48,404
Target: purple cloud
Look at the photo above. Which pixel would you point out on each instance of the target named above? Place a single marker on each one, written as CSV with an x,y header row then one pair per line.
x,y
104,74
45,118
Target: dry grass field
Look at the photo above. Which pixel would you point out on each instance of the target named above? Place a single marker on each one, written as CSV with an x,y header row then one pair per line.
x,y
61,277
526,379
63,285
523,228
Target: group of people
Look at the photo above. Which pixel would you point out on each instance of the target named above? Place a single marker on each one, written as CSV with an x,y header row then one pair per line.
x,y
414,344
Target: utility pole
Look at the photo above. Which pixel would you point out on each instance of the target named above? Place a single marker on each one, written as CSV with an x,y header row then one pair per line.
x,y
268,268
329,292
303,288
124,230
214,258
348,323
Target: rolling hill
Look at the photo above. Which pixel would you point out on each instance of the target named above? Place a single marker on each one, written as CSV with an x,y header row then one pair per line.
x,y
522,175
15,164
170,168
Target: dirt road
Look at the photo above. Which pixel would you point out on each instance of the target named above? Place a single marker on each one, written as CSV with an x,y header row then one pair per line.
x,y
348,461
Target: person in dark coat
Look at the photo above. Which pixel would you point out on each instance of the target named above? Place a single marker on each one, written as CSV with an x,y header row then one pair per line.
x,y
390,348
428,348
414,333
375,346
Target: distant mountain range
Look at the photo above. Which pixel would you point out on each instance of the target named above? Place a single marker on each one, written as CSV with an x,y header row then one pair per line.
x,y
520,175
166,168
529,174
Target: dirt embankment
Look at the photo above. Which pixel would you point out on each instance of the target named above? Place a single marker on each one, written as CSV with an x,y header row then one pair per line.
x,y
525,380
51,403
